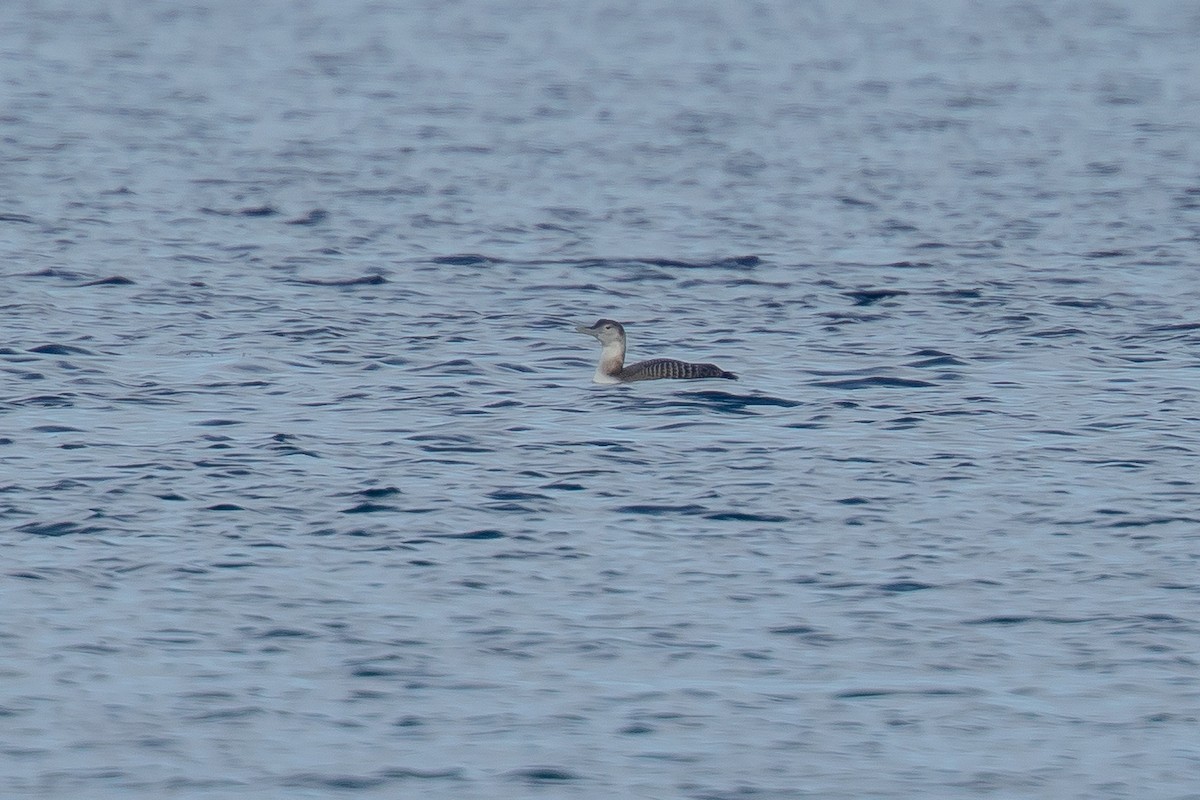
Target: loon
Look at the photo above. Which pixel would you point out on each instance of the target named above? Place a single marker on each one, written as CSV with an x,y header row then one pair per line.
x,y
611,368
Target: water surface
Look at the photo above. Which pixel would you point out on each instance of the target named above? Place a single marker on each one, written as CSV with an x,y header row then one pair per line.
x,y
306,491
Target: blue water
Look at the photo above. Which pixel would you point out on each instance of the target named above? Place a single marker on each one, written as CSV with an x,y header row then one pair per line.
x,y
306,491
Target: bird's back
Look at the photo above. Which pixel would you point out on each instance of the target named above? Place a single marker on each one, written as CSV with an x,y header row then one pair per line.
x,y
657,368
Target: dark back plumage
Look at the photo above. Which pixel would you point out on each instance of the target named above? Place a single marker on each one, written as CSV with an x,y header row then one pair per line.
x,y
657,368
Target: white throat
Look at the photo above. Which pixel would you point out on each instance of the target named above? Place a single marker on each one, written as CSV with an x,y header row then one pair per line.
x,y
612,358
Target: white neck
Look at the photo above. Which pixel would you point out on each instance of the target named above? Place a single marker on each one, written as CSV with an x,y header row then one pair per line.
x,y
612,358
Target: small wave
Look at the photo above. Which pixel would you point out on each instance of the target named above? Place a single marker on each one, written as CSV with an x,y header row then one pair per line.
x,y
252,211
471,535
878,382
311,218
661,510
743,516
733,403
465,260
863,694
46,401
1023,619
58,528
368,507
904,586
544,775
867,297
362,280
60,350
112,280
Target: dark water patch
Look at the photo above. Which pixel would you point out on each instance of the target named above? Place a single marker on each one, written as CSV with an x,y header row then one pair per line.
x,y
934,358
455,366
251,211
10,217
676,426
807,633
112,280
155,397
374,493
1105,254
1167,621
456,448
65,484
1057,333
1128,464
1026,619
58,529
218,423
305,332
744,516
512,494
509,508
609,445
46,401
465,260
283,444
286,633
660,510
667,264
904,586
55,429
479,535
730,402
55,272
313,217
94,648
1146,522
878,382
61,350
1188,199
868,297
1175,328
406,773
541,775
866,694
1074,302
26,575
897,226
847,317
333,783
369,508
362,280
509,366
735,262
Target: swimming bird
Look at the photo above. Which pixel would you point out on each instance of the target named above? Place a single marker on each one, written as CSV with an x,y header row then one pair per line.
x,y
611,368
